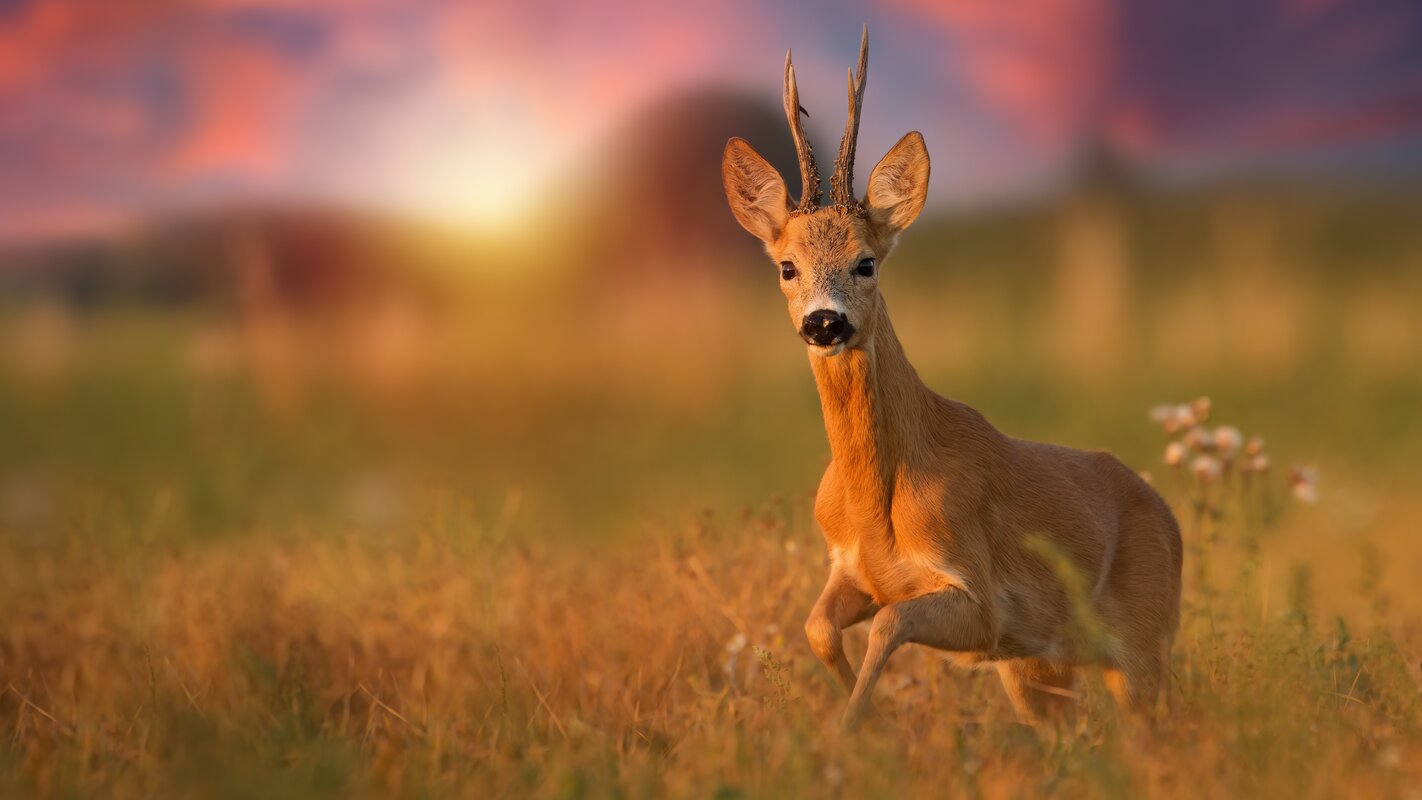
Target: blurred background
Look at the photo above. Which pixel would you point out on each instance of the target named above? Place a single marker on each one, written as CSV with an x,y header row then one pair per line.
x,y
304,266
390,403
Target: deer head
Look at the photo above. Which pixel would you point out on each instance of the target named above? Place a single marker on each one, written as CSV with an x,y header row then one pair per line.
x,y
829,256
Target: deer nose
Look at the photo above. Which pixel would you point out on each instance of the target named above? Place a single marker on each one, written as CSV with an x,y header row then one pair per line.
x,y
824,327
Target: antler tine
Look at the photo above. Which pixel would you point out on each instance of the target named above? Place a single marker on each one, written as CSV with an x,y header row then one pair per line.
x,y
842,181
809,173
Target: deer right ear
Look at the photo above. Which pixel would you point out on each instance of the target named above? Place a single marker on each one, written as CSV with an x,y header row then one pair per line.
x,y
755,191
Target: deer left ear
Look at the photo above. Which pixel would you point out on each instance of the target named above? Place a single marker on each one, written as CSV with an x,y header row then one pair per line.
x,y
898,187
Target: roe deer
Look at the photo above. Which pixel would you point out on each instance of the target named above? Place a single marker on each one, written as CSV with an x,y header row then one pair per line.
x,y
930,512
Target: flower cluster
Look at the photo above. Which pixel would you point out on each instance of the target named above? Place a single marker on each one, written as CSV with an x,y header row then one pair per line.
x,y
1212,455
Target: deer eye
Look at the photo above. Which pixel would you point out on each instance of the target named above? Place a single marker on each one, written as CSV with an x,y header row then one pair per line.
x,y
787,271
865,268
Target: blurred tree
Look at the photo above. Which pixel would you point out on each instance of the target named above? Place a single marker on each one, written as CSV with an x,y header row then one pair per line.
x,y
661,205
1091,284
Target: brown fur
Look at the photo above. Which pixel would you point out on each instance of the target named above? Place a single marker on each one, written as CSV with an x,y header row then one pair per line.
x,y
926,507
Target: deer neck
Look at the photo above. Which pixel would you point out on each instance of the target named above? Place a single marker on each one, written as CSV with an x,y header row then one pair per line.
x,y
873,407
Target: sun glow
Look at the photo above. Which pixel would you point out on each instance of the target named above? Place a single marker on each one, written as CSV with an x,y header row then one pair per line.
x,y
490,180
491,191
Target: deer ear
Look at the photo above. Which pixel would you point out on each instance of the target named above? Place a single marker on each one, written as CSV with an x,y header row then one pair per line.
x,y
755,191
898,186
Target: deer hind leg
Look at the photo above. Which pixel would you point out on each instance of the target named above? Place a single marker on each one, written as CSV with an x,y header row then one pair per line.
x,y
1136,676
841,605
1040,690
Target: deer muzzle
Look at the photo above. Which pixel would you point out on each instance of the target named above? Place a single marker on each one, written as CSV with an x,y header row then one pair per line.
x,y
824,328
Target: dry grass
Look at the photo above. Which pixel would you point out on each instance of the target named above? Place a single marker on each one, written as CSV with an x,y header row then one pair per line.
x,y
465,662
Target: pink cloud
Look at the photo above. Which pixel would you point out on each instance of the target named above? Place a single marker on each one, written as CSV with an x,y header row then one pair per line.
x,y
1310,127
1042,65
242,102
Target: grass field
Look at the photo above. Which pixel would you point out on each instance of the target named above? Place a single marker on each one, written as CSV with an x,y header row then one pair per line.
x,y
488,553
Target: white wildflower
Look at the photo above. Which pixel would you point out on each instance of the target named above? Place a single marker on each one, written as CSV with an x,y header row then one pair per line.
x,y
1228,440
1205,468
1175,454
734,646
1162,414
1183,417
1201,408
1198,439
1303,482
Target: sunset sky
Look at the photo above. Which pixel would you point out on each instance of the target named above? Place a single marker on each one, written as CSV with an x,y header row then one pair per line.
x,y
114,111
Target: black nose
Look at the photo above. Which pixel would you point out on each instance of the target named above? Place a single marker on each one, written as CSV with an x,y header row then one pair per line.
x,y
824,327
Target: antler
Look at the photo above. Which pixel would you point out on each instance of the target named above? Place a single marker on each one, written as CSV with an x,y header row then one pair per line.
x,y
842,181
809,173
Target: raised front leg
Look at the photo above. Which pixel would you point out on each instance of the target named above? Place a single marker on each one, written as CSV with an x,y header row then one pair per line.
x,y
947,620
841,605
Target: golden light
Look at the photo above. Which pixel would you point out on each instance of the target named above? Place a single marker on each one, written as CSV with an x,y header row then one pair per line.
x,y
489,183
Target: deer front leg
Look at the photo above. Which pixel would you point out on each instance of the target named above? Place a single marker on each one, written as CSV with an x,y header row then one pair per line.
x,y
841,605
947,620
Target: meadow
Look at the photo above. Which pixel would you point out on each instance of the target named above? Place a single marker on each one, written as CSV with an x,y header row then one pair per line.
x,y
552,536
